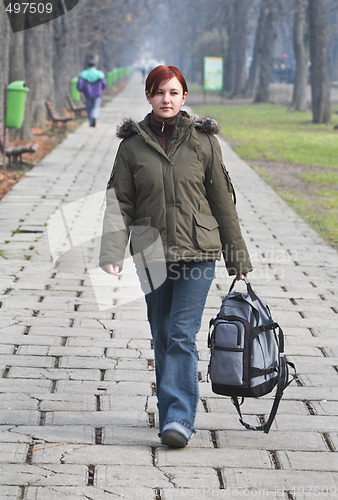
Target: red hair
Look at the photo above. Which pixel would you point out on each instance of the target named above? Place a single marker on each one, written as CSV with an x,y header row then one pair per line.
x,y
163,74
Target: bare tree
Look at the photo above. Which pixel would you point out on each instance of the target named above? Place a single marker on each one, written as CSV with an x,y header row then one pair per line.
x,y
35,74
113,30
16,57
252,81
235,63
49,81
301,50
48,56
320,83
4,44
333,39
269,14
65,58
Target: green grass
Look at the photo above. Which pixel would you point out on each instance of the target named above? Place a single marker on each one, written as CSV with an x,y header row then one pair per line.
x,y
320,212
270,133
320,177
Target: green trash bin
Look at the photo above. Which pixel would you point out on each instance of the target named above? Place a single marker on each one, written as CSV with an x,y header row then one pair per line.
x,y
76,96
110,78
16,99
115,75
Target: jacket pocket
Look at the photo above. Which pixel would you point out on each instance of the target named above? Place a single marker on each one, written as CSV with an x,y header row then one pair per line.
x,y
206,232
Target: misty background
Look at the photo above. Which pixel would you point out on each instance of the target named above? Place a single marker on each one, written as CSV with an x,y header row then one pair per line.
x,y
294,42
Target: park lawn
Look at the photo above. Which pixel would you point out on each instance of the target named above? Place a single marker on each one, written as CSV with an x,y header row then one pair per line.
x,y
271,132
297,158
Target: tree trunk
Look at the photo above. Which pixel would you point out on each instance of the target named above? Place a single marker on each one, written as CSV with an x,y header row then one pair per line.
x,y
252,81
333,43
235,63
301,49
266,57
65,57
49,91
60,62
320,83
35,113
16,56
4,44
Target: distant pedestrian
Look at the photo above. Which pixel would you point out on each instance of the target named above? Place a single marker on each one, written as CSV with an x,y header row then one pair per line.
x,y
92,82
170,182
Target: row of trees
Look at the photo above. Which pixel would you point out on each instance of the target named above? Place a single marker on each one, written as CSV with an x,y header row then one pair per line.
x,y
116,33
48,56
234,29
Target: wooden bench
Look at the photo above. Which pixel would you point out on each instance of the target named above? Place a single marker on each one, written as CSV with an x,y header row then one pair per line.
x,y
56,119
14,153
76,108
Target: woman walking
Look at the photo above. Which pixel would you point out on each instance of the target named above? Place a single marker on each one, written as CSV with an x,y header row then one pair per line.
x,y
171,185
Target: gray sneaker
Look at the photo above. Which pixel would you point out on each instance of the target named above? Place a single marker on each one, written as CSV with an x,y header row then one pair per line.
x,y
174,439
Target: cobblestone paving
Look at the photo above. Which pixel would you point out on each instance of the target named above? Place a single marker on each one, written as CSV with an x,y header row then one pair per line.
x,y
78,411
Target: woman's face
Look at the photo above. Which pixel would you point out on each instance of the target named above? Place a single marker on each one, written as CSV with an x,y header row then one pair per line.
x,y
168,99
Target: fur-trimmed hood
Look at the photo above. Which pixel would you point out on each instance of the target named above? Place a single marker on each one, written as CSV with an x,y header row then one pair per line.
x,y
128,128
205,124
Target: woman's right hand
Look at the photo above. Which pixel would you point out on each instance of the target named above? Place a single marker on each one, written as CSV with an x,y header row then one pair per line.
x,y
112,269
241,276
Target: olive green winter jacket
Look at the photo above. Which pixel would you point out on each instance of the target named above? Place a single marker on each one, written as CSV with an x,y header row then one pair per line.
x,y
182,198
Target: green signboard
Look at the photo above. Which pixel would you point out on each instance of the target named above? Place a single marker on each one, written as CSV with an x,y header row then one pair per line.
x,y
213,73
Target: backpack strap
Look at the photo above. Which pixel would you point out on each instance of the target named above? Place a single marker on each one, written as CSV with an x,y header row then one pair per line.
x,y
258,372
256,330
237,405
211,324
282,383
251,293
267,425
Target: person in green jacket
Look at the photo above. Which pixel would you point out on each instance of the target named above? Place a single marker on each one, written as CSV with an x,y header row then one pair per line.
x,y
92,83
176,199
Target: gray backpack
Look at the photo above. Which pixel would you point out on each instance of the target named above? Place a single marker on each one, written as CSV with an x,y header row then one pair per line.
x,y
246,352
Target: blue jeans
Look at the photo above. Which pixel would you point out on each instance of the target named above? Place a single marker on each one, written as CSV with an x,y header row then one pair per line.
x,y
93,107
174,312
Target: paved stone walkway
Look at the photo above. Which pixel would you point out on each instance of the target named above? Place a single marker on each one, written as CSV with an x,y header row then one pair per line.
x,y
78,411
